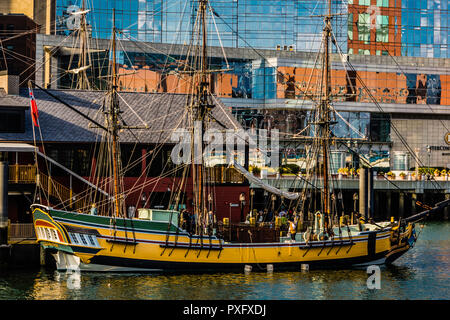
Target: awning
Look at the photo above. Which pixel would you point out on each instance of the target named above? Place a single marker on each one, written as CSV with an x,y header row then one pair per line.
x,y
16,147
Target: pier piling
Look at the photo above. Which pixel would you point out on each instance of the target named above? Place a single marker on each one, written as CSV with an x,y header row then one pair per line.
x,y
364,192
3,200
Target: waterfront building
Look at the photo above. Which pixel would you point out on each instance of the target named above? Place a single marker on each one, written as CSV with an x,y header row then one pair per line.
x,y
375,27
399,49
68,158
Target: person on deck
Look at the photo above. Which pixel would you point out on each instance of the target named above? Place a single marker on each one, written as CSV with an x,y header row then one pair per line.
x,y
131,211
260,216
94,209
292,228
185,219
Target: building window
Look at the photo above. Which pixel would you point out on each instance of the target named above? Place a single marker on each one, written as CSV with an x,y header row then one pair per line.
x,y
382,3
12,121
75,158
401,161
364,52
382,29
380,127
364,2
364,27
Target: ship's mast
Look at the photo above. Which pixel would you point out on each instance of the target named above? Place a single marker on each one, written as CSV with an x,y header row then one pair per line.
x,y
83,63
113,123
324,113
201,108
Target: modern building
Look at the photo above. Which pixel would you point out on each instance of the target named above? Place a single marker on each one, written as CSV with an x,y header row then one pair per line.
x,y
375,27
390,69
18,46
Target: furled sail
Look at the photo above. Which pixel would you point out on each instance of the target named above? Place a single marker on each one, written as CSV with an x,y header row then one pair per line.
x,y
265,186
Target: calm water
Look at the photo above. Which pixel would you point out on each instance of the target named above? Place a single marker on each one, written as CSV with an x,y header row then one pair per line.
x,y
423,273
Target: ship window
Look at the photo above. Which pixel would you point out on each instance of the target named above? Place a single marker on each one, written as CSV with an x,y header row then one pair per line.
x,y
83,239
74,238
39,232
91,240
47,234
54,235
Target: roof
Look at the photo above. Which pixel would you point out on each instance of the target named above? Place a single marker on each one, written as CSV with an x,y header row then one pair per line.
x,y
163,112
9,101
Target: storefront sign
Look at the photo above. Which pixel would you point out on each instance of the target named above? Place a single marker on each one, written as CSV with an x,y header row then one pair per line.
x,y
436,148
447,138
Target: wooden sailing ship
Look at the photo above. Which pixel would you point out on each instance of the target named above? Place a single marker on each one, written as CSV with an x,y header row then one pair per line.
x,y
159,240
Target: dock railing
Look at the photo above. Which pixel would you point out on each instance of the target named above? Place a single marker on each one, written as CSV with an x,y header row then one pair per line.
x,y
20,232
27,174
22,173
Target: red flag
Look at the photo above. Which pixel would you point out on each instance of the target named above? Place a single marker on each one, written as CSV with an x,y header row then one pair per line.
x,y
33,109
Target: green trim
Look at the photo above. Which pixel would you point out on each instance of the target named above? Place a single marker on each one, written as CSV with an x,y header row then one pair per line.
x,y
120,222
59,247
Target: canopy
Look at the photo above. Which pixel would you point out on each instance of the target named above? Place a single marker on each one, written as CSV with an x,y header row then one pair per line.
x,y
16,147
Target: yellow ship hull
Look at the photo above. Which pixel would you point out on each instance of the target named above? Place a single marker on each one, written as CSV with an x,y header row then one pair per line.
x,y
100,246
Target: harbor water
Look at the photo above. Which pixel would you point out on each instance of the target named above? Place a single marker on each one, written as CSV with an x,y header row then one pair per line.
x,y
422,274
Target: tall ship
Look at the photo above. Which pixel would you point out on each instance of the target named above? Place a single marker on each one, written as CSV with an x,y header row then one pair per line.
x,y
108,237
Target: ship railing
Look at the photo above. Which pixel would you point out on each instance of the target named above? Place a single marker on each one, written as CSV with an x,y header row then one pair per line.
x,y
248,233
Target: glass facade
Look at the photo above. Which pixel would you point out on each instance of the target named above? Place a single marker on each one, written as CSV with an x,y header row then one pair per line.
x,y
264,24
151,72
399,27
365,27
425,28
385,87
